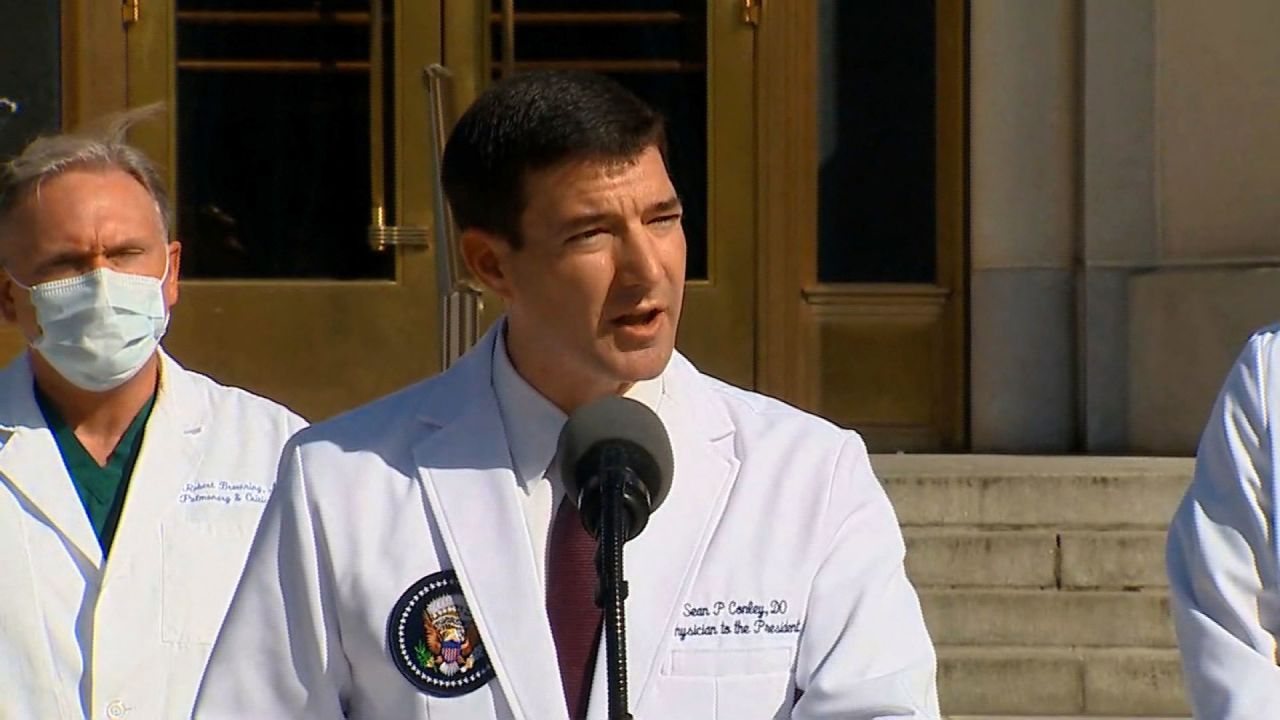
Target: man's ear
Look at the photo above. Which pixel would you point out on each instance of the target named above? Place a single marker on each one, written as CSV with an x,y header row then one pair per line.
x,y
8,310
487,256
174,249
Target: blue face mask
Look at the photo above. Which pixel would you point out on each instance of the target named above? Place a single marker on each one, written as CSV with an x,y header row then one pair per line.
x,y
100,328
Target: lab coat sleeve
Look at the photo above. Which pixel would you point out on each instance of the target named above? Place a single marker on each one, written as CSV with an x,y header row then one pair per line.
x,y
278,654
1222,559
864,652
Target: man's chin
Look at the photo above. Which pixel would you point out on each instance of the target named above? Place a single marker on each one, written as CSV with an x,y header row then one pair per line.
x,y
641,365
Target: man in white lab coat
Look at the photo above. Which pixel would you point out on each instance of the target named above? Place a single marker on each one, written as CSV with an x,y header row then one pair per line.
x,y
129,487
418,559
1224,570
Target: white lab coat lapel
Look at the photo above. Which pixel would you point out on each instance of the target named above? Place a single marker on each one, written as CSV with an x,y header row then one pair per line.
x,y
31,462
662,561
168,458
465,466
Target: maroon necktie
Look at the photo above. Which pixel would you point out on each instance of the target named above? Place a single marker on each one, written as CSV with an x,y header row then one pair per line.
x,y
571,608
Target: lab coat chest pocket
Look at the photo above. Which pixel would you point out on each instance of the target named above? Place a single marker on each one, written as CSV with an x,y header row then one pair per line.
x,y
201,565
746,683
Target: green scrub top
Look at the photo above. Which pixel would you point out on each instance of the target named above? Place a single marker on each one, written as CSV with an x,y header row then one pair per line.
x,y
101,487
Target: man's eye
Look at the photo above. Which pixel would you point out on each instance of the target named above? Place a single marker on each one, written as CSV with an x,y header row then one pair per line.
x,y
588,235
54,271
666,219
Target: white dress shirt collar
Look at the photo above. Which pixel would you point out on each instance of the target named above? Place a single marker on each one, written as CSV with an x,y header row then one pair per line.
x,y
533,422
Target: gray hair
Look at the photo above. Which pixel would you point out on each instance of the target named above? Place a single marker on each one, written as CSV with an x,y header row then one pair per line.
x,y
102,146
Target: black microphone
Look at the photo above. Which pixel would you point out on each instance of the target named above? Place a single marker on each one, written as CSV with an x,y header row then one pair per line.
x,y
616,464
616,435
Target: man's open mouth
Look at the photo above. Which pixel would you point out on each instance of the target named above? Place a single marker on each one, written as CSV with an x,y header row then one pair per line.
x,y
639,318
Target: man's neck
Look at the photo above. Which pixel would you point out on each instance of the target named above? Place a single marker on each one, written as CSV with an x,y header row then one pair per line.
x,y
99,419
565,389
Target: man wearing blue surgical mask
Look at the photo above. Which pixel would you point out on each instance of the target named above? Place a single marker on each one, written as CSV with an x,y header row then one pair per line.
x,y
130,487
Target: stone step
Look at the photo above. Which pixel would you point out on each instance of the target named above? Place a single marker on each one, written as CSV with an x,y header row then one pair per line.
x,y
1027,491
1055,681
1115,559
1042,581
1030,618
950,557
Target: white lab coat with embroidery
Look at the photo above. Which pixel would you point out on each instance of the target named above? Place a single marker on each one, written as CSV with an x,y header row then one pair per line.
x,y
131,639
1224,568
768,506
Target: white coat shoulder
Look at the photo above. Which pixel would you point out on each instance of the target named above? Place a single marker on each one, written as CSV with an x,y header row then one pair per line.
x,y
381,432
1224,573
380,423
369,450
762,417
228,404
1253,378
769,430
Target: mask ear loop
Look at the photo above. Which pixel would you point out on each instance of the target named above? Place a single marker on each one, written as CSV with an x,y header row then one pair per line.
x,y
27,288
16,281
165,276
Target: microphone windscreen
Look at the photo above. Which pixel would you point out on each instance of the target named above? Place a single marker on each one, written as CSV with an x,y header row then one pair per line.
x,y
617,422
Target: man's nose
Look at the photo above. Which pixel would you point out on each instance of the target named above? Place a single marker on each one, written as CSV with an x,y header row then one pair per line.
x,y
640,261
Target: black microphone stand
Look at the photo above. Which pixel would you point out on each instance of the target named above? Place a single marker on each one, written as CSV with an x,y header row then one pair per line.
x,y
611,593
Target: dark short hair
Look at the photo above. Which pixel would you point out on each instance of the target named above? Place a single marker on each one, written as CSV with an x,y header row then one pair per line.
x,y
532,121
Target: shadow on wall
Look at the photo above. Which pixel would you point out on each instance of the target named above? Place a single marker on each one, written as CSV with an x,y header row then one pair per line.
x,y
1186,328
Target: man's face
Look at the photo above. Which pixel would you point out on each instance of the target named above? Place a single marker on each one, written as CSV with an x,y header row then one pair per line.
x,y
77,222
593,296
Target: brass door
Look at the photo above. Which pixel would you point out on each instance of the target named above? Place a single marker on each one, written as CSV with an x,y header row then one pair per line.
x,y
294,131
271,140
694,61
862,128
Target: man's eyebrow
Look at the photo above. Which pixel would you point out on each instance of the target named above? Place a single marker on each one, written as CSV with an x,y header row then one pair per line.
x,y
584,221
133,241
671,204
66,257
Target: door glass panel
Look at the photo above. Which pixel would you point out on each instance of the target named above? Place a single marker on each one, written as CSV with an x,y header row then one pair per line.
x,y
273,176
657,49
877,142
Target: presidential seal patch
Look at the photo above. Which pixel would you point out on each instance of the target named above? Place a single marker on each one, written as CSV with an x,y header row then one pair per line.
x,y
434,641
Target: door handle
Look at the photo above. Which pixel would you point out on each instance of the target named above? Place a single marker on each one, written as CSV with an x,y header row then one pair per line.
x,y
381,234
461,298
451,271
508,38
